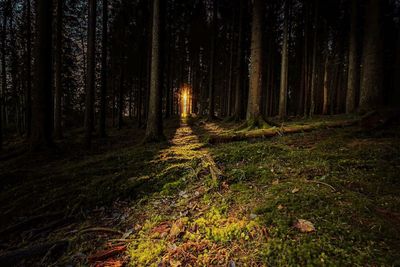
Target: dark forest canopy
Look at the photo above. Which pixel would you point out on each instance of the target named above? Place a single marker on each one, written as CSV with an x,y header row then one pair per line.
x,y
104,62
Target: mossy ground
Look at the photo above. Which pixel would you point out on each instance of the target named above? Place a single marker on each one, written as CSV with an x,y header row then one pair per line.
x,y
344,181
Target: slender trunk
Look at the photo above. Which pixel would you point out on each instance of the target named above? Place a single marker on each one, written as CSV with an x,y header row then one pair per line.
x,y
3,73
154,129
326,88
121,98
103,88
42,93
314,77
231,62
90,85
284,66
353,77
239,64
58,76
211,84
28,100
254,101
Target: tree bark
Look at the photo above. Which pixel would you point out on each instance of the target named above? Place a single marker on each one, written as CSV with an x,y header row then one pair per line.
x,y
284,65
154,129
239,64
28,103
211,81
58,76
353,77
254,101
90,84
42,93
104,54
371,81
325,105
314,62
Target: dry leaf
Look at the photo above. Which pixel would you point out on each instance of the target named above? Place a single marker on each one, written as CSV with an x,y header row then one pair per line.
x,y
294,191
280,207
177,228
161,230
275,182
304,226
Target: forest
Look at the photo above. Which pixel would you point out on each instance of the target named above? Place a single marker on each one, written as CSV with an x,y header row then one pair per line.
x,y
199,133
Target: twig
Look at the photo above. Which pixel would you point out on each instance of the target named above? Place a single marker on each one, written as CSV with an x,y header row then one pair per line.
x,y
318,182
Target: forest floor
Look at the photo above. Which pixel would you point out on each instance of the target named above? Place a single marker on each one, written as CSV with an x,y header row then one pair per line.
x,y
329,197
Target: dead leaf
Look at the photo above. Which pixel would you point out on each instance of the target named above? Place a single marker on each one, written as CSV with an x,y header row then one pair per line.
x,y
175,263
177,228
275,182
280,207
161,230
304,226
295,190
110,263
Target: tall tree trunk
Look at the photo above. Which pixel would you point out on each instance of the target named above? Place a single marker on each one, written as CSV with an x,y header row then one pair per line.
x,y
121,97
154,129
254,101
3,71
28,100
325,105
353,77
314,77
239,64
58,76
230,85
90,84
211,81
42,94
284,65
103,88
371,81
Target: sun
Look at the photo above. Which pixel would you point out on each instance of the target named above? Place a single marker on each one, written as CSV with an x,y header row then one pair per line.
x,y
185,100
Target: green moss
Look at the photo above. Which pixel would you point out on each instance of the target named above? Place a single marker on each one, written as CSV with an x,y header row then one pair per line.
x,y
145,252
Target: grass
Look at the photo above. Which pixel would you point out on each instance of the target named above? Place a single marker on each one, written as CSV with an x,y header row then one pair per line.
x,y
173,212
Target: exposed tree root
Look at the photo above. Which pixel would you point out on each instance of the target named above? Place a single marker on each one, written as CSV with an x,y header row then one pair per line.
x,y
28,223
215,172
101,230
11,258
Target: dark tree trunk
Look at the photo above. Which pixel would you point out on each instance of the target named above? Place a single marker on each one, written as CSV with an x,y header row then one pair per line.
x,y
154,129
211,84
90,84
42,94
353,77
284,65
103,88
58,76
371,81
254,100
28,100
239,68
314,77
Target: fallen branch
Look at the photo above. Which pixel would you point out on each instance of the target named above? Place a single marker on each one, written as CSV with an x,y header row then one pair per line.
x,y
268,133
11,258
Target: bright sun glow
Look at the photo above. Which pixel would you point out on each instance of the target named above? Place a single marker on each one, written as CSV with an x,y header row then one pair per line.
x,y
185,98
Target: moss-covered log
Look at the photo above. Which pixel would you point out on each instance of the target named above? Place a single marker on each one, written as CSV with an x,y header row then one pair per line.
x,y
277,131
